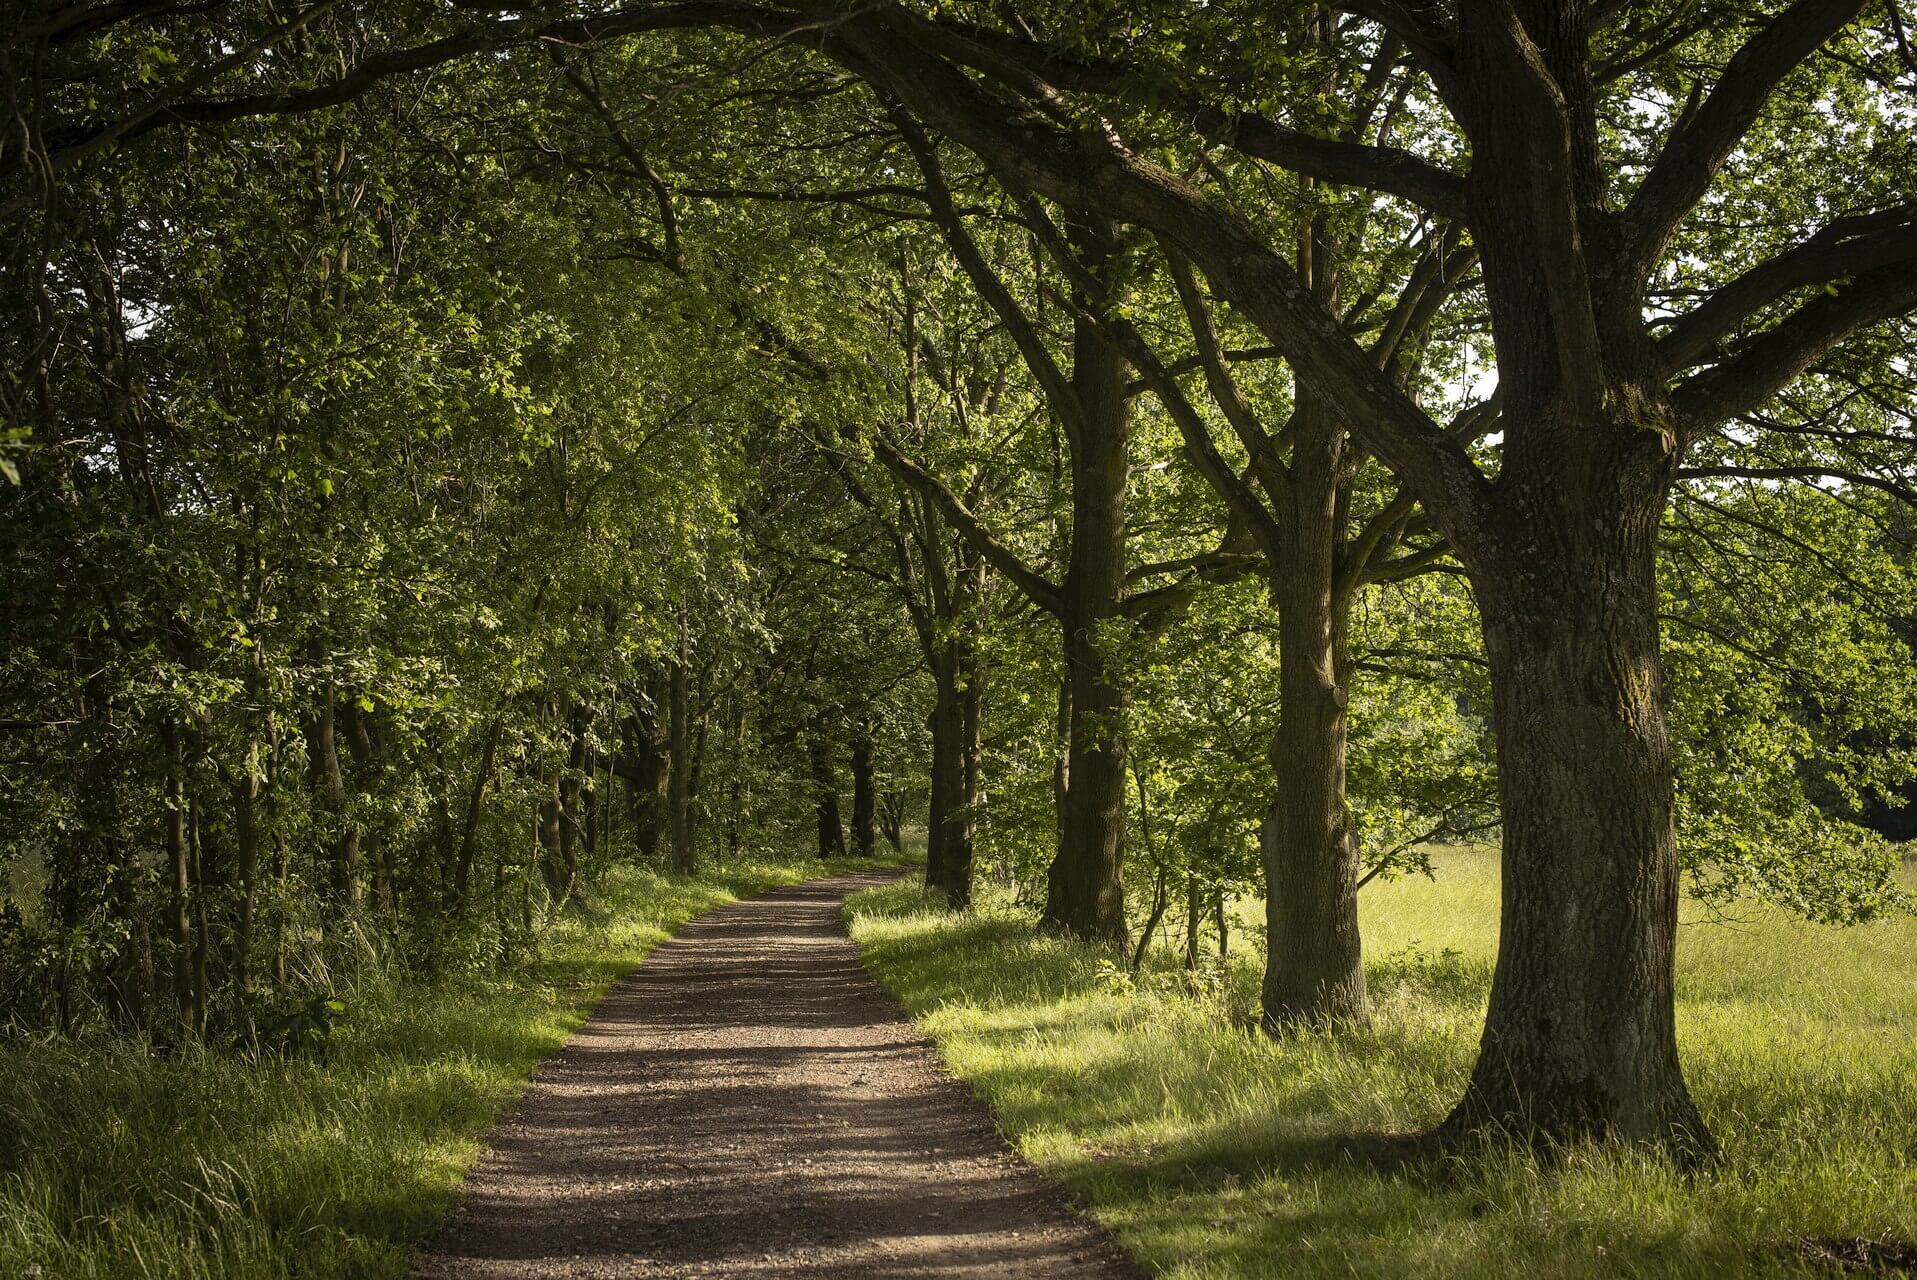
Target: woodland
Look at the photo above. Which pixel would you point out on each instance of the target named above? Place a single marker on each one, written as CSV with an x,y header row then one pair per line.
x,y
1213,481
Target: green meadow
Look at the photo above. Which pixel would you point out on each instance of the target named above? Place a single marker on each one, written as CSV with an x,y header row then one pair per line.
x,y
1215,1151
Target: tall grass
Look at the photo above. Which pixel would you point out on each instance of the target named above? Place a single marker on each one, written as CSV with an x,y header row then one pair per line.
x,y
333,1162
1215,1152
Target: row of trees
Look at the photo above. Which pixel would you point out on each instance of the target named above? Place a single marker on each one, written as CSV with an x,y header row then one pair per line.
x,y
1141,435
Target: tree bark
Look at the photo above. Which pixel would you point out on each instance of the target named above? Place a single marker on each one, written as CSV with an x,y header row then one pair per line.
x,y
1314,970
180,884
469,836
948,853
1580,1039
1084,896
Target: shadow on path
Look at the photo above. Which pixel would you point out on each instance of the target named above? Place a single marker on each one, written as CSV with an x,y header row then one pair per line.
x,y
749,1102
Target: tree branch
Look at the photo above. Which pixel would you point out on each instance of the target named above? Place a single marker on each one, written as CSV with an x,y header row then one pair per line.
x,y
1698,147
1037,588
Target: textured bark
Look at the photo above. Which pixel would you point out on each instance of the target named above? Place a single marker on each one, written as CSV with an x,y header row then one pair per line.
x,y
679,784
246,851
1084,896
950,827
649,766
1580,1039
1314,970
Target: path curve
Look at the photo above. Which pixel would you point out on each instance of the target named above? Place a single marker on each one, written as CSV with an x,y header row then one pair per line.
x,y
750,1102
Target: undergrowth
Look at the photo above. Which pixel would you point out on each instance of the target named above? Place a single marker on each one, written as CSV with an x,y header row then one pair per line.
x,y
334,1161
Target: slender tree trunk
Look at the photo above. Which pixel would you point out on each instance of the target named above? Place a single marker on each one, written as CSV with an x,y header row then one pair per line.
x,y
1084,896
547,828
330,786
1314,971
180,883
204,880
825,797
246,849
679,786
649,741
1580,1038
946,821
475,797
892,818
864,794
1194,917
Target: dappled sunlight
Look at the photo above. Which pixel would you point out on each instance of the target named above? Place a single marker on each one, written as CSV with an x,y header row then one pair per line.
x,y
1216,1151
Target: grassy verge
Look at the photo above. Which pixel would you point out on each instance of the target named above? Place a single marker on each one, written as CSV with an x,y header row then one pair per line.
x,y
1218,1153
116,1163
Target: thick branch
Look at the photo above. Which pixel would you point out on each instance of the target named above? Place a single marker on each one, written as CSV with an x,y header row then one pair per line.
x,y
1037,588
1847,247
1699,146
1770,362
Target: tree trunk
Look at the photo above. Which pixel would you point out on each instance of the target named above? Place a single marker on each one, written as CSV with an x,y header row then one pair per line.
x,y
1580,1039
679,785
469,836
330,788
945,825
1314,969
548,823
246,850
180,883
649,734
825,797
1084,897
864,795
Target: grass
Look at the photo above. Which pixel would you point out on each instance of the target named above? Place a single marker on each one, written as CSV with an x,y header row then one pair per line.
x,y
117,1163
1217,1153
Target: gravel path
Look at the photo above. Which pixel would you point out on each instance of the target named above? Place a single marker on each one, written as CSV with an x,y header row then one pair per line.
x,y
749,1102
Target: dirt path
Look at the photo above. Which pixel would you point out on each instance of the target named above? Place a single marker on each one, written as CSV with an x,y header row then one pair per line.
x,y
750,1102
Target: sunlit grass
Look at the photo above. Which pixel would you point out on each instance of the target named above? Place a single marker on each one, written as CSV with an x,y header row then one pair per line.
x,y
117,1163
1216,1152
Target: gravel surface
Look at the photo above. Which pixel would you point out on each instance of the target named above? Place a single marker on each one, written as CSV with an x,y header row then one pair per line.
x,y
749,1102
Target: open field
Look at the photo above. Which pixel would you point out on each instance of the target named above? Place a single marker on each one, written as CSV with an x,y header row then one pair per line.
x,y
116,1163
1219,1153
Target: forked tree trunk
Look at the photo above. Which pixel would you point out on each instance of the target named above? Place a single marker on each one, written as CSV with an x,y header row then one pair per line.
x,y
1580,1039
1314,968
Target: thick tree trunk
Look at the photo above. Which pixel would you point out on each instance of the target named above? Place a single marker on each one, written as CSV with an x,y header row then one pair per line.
x,y
1314,970
1083,893
1580,1039
864,795
679,754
